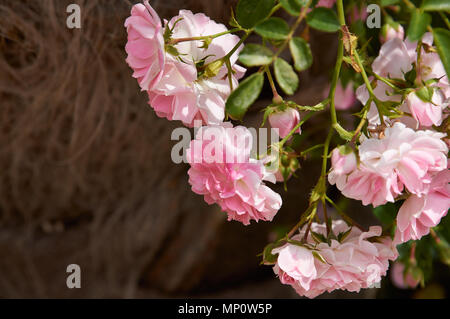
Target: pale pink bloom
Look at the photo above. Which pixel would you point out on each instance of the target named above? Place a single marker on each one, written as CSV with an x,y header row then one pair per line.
x,y
427,113
411,155
403,158
181,94
285,121
367,186
393,60
145,46
222,171
351,264
325,3
343,160
391,32
344,98
401,279
418,214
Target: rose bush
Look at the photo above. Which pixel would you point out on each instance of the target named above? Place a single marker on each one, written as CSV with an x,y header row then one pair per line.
x,y
395,158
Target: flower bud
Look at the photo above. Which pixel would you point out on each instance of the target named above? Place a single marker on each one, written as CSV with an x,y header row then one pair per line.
x,y
402,279
285,121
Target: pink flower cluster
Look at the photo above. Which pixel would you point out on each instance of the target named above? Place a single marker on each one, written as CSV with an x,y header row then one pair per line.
x,y
404,159
358,260
224,173
175,87
396,58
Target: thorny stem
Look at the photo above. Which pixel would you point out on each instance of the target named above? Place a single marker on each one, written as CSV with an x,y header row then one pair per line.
x,y
368,85
362,122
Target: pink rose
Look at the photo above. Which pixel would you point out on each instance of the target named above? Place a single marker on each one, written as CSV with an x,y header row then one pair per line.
x,y
403,158
145,46
412,155
352,263
368,186
401,279
393,60
418,214
427,113
223,172
285,121
343,160
176,90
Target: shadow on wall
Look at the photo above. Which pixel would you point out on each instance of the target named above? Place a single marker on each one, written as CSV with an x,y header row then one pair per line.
x,y
86,175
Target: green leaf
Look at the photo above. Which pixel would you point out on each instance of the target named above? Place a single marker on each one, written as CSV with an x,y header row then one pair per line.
x,y
386,213
442,41
268,257
418,26
425,94
255,55
319,257
250,12
301,52
436,5
286,76
323,19
318,238
273,28
293,6
244,96
389,2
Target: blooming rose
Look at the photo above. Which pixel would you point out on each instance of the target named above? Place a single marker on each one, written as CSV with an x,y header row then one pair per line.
x,y
418,214
403,158
177,90
222,171
427,113
285,121
401,279
396,58
145,46
350,264
412,155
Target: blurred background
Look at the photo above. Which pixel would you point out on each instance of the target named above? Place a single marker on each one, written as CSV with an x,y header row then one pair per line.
x,y
86,176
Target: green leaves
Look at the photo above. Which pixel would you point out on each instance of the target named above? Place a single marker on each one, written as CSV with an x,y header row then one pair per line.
x,y
323,19
293,6
386,213
436,5
301,53
273,28
255,55
244,96
250,12
418,26
442,41
286,76
389,2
